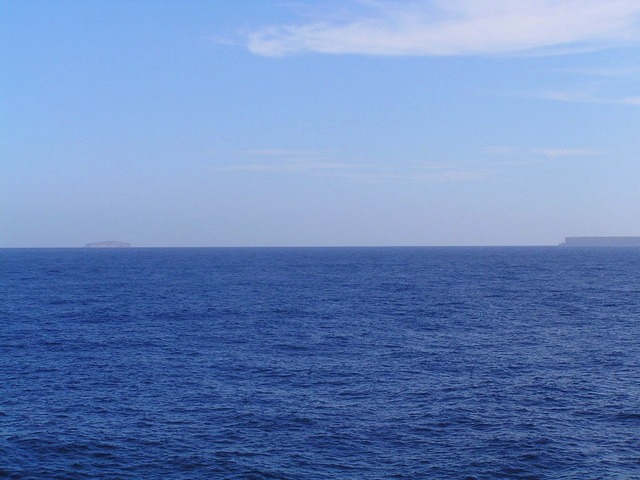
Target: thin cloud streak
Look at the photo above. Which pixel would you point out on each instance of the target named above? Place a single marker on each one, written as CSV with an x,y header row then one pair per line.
x,y
584,97
599,72
459,27
568,152
282,153
500,150
297,166
415,177
284,161
544,152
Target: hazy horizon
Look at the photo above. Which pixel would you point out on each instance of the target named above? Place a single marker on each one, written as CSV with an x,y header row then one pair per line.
x,y
84,247
340,123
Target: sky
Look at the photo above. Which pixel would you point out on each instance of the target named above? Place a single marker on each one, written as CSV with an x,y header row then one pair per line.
x,y
318,123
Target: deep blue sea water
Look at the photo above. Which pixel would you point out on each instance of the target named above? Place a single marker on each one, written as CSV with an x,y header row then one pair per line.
x,y
368,363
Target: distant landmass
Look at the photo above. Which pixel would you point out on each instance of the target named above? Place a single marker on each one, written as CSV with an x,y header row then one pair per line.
x,y
108,244
601,242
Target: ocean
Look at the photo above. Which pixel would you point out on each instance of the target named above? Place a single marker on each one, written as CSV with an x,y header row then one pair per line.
x,y
317,363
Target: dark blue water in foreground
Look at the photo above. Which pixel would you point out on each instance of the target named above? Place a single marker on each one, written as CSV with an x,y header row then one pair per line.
x,y
518,363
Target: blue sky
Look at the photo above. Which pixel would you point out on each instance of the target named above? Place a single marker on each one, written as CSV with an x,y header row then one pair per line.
x,y
352,122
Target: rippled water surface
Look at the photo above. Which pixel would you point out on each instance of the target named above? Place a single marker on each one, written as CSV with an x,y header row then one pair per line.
x,y
480,363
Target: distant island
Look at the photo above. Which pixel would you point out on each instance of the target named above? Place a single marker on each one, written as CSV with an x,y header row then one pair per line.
x,y
601,242
108,244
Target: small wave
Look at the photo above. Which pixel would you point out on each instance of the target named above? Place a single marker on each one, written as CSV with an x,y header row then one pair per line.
x,y
628,416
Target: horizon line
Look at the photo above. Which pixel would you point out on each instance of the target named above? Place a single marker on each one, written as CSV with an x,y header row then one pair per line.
x,y
275,246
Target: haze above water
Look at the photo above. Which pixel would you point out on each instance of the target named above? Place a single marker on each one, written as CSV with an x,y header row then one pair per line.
x,y
318,123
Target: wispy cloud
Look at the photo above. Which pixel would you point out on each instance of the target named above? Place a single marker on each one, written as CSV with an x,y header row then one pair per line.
x,y
548,153
568,152
285,166
499,150
585,97
276,161
458,27
629,72
282,160
282,153
456,176
320,164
